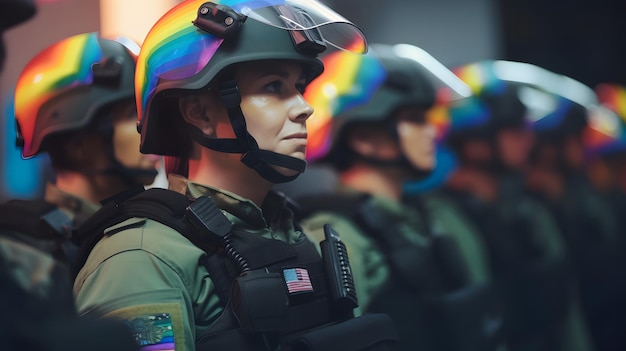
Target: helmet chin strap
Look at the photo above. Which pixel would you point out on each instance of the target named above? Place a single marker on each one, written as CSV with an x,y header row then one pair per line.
x,y
252,156
130,175
401,162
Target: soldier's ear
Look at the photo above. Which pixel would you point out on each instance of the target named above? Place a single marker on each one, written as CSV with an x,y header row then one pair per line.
x,y
194,110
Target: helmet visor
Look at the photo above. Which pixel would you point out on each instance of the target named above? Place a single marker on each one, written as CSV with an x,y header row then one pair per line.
x,y
449,86
336,30
175,49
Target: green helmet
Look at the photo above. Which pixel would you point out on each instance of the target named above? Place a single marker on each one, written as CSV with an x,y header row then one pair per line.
x,y
68,84
370,89
69,87
194,44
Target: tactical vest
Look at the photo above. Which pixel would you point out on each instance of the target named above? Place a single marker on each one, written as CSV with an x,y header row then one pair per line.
x,y
429,296
533,283
39,224
277,296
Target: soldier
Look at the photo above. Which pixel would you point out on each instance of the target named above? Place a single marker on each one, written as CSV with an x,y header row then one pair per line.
x,y
373,130
557,178
36,301
74,101
217,261
491,138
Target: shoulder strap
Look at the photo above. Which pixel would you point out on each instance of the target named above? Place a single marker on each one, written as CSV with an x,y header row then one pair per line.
x,y
360,209
342,203
39,224
35,218
412,264
162,205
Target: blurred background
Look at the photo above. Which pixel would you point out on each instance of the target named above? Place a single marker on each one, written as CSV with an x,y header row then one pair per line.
x,y
583,39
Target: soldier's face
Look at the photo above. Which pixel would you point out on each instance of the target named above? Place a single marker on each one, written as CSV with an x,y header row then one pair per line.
x,y
126,141
273,106
417,138
514,146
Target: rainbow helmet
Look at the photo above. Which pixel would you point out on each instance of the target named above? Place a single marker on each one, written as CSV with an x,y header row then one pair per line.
x,y
67,84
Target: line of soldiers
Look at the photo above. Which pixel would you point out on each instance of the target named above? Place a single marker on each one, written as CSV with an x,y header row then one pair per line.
x,y
462,218
506,243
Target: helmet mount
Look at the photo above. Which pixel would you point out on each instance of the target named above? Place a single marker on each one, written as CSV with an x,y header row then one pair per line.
x,y
219,20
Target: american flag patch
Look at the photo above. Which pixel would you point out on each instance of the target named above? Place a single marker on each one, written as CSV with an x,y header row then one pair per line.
x,y
297,280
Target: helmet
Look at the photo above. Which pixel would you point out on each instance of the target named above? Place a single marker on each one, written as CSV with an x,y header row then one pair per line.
x,y
66,85
370,88
606,131
197,41
511,94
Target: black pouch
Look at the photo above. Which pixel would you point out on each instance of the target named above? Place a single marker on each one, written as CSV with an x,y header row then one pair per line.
x,y
260,301
370,332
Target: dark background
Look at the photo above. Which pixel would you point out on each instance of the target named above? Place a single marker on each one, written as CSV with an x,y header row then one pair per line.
x,y
585,40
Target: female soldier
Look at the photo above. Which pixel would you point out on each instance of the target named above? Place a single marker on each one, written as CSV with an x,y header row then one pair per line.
x,y
219,87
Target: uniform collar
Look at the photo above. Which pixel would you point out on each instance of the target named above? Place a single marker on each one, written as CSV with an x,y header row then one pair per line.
x,y
77,208
273,213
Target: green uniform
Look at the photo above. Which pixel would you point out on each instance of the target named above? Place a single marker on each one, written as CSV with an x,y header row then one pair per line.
x,y
36,289
370,268
591,233
152,276
529,263
449,219
420,284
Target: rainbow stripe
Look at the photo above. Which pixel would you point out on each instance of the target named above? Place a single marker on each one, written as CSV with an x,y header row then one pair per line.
x,y
62,66
175,49
606,131
348,80
470,112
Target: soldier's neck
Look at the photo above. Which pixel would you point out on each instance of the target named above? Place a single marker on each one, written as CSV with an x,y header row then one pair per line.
x,y
376,181
226,172
93,188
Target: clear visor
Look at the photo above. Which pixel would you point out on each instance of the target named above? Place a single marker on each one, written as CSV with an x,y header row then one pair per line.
x,y
543,79
449,86
336,30
538,103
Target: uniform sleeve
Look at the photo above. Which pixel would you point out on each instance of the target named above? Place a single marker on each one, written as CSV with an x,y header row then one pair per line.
x,y
368,265
448,219
148,275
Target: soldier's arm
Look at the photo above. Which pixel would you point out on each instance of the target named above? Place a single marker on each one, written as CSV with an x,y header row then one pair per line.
x,y
148,275
369,268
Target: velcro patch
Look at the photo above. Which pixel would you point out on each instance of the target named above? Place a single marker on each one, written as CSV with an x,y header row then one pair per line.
x,y
155,327
153,332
